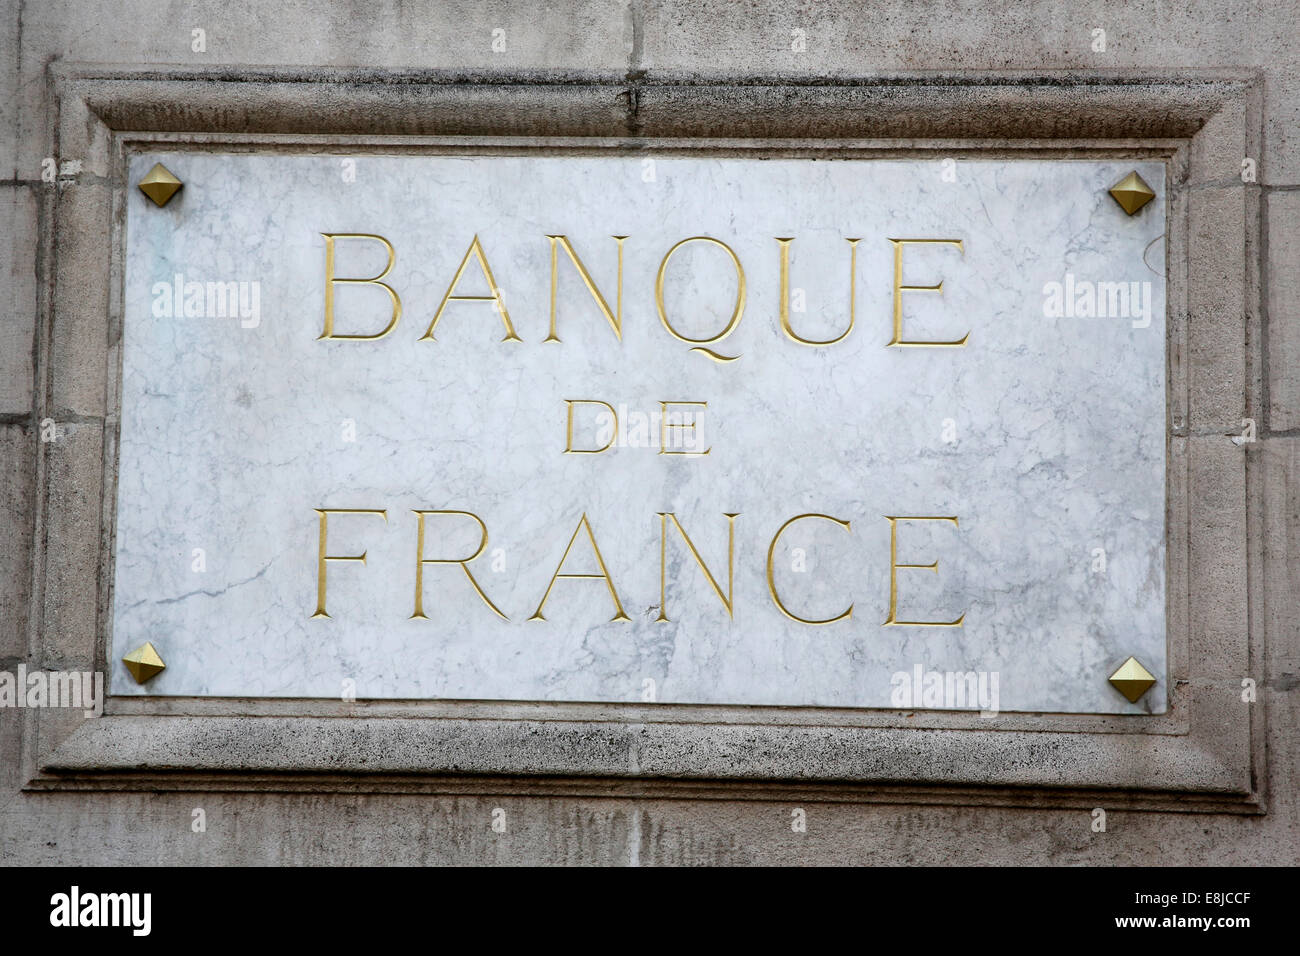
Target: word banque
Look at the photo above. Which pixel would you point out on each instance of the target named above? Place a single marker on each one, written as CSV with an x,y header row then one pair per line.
x,y
496,298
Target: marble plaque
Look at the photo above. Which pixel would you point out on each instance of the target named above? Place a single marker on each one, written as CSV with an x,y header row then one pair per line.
x,y
742,455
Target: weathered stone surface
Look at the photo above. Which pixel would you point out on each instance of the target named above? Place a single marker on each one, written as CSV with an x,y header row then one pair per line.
x,y
9,102
73,463
18,255
1217,152
1283,272
1217,286
463,35
1277,682
758,36
80,299
1281,148
414,830
17,491
691,39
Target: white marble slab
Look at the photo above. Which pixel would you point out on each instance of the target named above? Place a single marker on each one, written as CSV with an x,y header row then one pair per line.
x,y
1044,435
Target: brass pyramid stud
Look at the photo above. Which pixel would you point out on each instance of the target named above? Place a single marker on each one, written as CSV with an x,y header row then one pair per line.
x,y
144,663
1132,193
1132,680
159,184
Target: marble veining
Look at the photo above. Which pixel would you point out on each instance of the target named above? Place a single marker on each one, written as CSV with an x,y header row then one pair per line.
x,y
1044,435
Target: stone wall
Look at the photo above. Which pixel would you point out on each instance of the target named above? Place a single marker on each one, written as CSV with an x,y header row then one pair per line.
x,y
630,46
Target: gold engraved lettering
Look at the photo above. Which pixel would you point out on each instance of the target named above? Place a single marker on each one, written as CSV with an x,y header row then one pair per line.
x,y
899,289
735,315
568,432
785,294
663,562
322,557
475,250
604,574
771,578
328,332
615,319
421,561
664,425
894,566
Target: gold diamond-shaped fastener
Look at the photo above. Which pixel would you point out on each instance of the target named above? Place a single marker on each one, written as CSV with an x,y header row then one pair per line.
x,y
1132,680
1132,193
144,663
159,184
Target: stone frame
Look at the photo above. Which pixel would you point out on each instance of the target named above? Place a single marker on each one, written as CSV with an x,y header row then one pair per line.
x,y
1206,753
